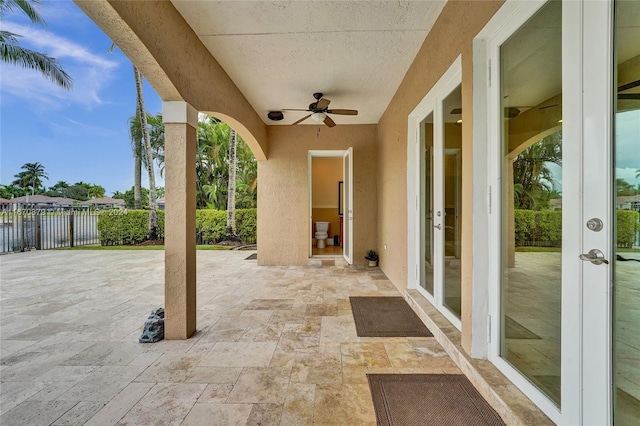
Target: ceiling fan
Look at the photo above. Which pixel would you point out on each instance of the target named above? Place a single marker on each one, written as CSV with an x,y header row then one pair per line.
x,y
319,110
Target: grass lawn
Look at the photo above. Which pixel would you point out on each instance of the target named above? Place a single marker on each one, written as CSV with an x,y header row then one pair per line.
x,y
538,249
99,247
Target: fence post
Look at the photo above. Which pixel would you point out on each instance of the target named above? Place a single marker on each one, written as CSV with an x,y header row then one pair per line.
x,y
23,244
71,230
38,230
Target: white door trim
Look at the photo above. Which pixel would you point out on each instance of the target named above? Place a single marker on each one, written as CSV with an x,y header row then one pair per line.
x,y
596,96
323,153
431,103
487,168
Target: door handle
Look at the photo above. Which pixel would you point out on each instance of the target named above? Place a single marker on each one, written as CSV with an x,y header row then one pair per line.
x,y
439,226
594,256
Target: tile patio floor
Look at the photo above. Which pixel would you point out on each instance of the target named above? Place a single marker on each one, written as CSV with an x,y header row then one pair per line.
x,y
275,345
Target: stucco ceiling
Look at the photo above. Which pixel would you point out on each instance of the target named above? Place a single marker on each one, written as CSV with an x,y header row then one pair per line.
x,y
279,53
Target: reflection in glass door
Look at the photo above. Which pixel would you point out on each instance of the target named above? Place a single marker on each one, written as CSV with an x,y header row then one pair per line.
x,y
452,200
427,204
627,210
532,146
440,137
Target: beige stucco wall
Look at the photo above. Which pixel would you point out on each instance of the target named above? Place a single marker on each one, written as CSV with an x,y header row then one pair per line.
x,y
451,36
283,193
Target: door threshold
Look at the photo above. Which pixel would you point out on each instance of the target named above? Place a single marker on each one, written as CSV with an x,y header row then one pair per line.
x,y
510,403
328,261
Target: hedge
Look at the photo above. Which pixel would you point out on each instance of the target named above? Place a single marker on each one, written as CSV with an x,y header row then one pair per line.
x,y
129,227
627,227
544,228
538,228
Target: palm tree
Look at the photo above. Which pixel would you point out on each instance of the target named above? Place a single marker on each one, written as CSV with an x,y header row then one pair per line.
x,y
156,136
11,51
135,134
31,177
212,166
61,184
231,190
153,205
533,179
247,181
11,191
96,191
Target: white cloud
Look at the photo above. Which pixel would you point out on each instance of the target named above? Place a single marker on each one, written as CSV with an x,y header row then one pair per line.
x,y
91,72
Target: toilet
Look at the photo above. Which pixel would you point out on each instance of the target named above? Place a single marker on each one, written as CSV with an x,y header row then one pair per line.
x,y
322,233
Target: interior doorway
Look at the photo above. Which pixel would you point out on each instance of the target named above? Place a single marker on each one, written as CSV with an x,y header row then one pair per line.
x,y
329,204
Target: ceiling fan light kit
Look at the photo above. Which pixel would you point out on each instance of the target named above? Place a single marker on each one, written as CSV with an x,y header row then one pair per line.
x,y
318,117
319,111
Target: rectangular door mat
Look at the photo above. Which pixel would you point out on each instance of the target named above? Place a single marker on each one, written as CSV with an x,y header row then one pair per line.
x,y
386,317
429,399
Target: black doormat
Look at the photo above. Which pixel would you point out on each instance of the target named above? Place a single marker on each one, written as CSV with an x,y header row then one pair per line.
x,y
429,399
254,256
386,317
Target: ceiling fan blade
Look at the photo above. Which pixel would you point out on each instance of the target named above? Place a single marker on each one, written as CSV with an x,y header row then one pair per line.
x,y
295,109
329,122
629,86
322,104
629,96
343,111
302,119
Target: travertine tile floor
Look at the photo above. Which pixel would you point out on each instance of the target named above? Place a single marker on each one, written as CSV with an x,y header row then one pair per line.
x,y
275,345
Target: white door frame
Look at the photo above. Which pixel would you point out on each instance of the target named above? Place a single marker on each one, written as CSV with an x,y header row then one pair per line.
x,y
507,21
592,124
586,299
431,103
347,156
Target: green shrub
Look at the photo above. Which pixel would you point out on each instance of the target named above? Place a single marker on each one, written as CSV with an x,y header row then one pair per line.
x,y
544,228
538,228
523,224
247,224
126,227
116,227
211,225
627,227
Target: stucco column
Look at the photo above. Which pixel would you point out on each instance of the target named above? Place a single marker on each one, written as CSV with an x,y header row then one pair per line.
x,y
180,123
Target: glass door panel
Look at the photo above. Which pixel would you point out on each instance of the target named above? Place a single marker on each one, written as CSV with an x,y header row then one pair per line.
x,y
347,176
452,200
438,153
627,207
427,200
531,94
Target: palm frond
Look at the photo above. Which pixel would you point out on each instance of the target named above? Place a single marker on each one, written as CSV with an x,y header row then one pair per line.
x,y
26,6
50,67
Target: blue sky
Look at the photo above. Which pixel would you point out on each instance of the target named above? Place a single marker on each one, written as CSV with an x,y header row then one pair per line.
x,y
78,135
82,135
